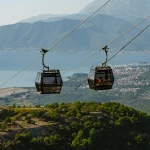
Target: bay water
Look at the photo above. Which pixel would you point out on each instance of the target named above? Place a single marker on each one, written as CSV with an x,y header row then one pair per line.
x,y
12,62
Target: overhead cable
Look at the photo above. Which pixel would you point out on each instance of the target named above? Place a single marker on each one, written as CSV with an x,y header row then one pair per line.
x,y
111,57
57,42
107,44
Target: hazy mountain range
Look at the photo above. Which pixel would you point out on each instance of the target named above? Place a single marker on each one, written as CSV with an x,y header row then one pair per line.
x,y
129,10
54,17
116,17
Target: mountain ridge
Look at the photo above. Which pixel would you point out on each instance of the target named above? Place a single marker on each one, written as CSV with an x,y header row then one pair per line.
x,y
95,33
129,10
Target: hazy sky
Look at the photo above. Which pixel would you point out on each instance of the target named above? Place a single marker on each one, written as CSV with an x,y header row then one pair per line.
x,y
12,11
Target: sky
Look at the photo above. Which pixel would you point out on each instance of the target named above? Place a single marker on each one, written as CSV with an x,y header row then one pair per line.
x,y
12,11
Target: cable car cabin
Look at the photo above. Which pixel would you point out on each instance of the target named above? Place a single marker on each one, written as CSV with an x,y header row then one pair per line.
x,y
100,78
49,82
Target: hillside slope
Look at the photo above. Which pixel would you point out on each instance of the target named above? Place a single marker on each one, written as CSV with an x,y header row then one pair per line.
x,y
75,126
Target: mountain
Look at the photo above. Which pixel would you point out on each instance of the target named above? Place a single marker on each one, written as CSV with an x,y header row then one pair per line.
x,y
94,34
52,17
129,10
114,19
42,17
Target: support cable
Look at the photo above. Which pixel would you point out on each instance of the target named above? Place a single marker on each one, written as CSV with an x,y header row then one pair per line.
x,y
86,78
79,25
56,43
49,50
86,57
107,45
110,58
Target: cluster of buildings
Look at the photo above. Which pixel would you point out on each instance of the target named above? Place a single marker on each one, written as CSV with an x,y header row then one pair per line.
x,y
131,78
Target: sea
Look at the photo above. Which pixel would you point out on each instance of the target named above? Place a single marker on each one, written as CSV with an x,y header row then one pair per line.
x,y
18,70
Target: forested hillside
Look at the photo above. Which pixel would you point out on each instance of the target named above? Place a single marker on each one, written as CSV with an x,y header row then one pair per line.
x,y
77,126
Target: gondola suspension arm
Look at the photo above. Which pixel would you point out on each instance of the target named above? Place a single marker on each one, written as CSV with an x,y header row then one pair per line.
x,y
106,52
43,52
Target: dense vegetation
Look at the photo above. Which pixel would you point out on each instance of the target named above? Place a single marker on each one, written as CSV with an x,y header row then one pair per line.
x,y
76,126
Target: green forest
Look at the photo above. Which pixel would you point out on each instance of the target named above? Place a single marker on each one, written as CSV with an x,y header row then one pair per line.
x,y
74,126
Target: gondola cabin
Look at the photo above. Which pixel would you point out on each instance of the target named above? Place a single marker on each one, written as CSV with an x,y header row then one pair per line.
x,y
49,82
100,78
